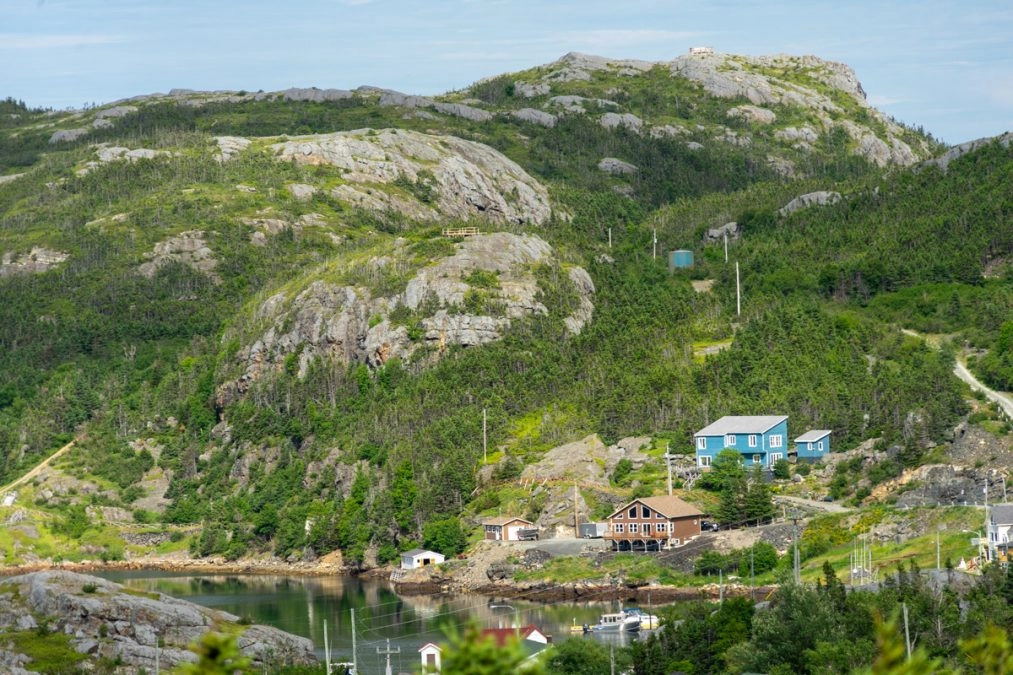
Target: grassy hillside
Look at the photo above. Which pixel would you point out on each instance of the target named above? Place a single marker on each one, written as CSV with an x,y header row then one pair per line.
x,y
345,455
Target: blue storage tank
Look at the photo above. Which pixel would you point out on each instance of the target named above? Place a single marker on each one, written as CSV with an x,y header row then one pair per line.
x,y
679,259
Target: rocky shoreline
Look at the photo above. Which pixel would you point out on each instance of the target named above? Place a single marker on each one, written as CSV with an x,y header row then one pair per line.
x,y
425,584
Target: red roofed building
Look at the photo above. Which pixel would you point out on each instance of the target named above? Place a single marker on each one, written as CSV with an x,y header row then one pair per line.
x,y
529,633
653,523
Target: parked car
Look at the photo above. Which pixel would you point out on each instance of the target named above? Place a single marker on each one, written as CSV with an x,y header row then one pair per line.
x,y
708,526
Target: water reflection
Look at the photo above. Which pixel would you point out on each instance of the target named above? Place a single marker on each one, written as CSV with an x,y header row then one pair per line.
x,y
301,605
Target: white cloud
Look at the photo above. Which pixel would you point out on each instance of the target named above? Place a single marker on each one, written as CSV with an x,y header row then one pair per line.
x,y
9,41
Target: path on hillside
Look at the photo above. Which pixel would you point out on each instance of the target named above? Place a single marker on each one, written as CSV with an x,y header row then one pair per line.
x,y
1004,401
37,469
829,507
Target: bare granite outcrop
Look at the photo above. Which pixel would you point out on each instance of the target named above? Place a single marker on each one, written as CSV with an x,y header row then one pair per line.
x,y
139,630
463,179
450,306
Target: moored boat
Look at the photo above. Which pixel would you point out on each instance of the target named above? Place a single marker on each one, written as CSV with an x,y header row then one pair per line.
x,y
647,621
617,623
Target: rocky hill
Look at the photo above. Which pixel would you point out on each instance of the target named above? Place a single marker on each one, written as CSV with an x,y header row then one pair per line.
x,y
313,320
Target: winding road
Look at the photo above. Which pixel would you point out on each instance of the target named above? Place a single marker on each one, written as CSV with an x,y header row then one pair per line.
x,y
1003,400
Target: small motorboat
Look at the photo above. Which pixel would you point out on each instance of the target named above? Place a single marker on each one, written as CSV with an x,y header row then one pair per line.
x,y
618,622
647,621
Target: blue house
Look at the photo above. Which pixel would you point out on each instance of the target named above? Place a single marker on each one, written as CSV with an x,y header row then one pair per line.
x,y
760,439
813,444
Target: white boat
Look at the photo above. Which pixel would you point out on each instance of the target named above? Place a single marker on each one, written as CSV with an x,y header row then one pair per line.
x,y
617,623
647,621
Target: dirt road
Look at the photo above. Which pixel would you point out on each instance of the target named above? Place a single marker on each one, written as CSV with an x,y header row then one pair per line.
x,y
38,468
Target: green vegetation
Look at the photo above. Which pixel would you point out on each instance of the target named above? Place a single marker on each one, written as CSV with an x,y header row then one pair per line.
x,y
342,455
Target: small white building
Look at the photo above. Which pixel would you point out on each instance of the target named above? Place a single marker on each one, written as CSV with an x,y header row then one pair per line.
x,y
699,51
418,557
430,654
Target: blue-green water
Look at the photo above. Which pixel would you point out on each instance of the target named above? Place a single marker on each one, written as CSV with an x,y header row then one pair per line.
x,y
301,606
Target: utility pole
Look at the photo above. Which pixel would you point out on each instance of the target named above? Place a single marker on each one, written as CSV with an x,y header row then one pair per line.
x,y
988,546
752,575
327,650
668,463
937,550
907,633
612,659
576,514
726,246
485,440
355,653
388,651
797,565
738,291
654,255
610,238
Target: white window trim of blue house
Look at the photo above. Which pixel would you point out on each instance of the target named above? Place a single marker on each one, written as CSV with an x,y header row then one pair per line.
x,y
819,446
752,440
776,441
704,460
701,443
774,457
729,440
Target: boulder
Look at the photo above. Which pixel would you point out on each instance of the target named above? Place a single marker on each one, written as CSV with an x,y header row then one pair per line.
x,y
616,167
616,120
230,146
530,90
752,114
535,117
820,198
466,111
67,135
715,234
579,104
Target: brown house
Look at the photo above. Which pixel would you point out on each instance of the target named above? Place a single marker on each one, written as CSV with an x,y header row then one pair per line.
x,y
652,524
506,528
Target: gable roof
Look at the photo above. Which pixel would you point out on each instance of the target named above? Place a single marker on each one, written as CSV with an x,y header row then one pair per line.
x,y
502,635
669,506
430,645
503,520
1001,514
741,424
416,551
813,435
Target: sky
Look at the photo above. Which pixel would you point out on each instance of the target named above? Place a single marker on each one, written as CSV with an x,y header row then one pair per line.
x,y
943,65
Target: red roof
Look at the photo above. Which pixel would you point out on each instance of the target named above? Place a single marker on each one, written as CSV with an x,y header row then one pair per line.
x,y
502,635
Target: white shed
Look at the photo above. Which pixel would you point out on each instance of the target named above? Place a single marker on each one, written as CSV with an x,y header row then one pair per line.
x,y
430,654
418,557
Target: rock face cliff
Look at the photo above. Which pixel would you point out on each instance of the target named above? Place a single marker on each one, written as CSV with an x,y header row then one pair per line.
x,y
439,176
468,298
105,620
829,93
